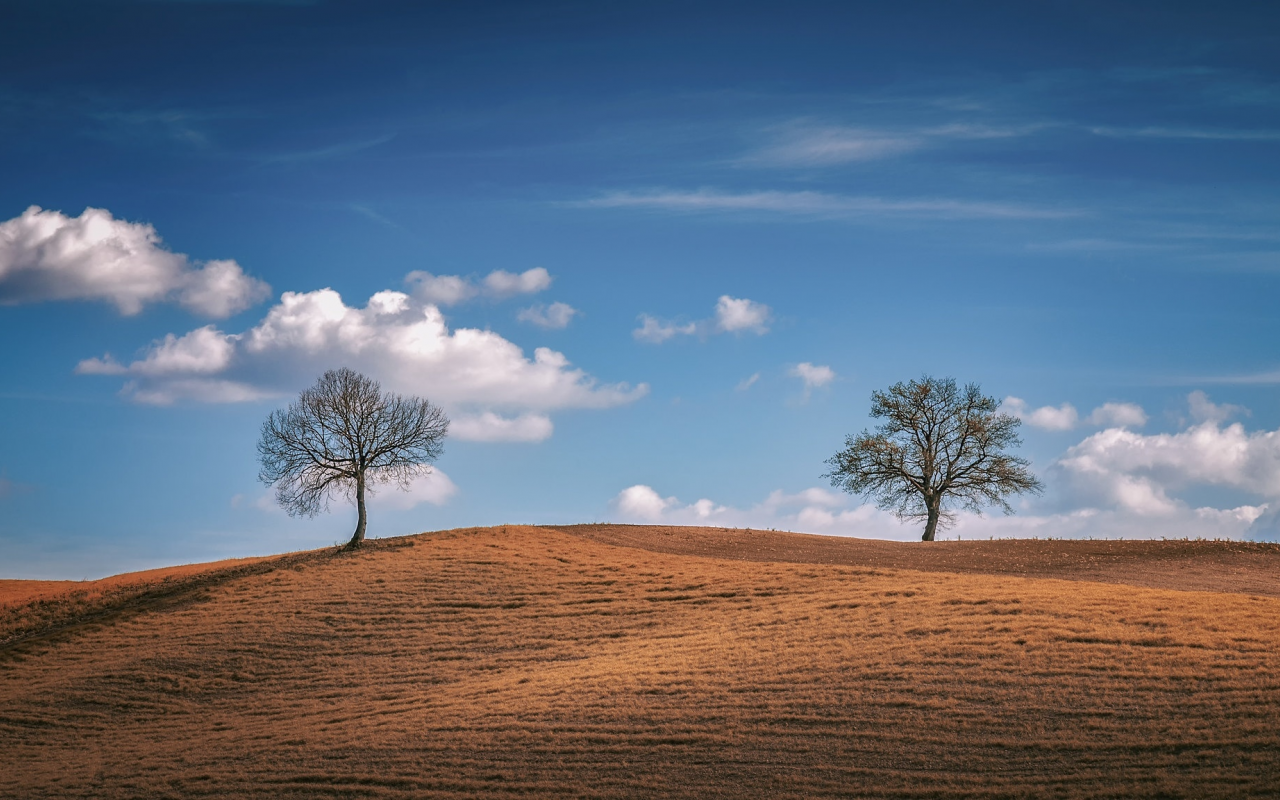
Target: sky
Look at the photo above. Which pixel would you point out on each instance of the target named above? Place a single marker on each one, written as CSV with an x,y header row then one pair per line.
x,y
651,258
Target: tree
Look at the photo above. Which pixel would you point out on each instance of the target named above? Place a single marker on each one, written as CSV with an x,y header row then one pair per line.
x,y
342,435
938,445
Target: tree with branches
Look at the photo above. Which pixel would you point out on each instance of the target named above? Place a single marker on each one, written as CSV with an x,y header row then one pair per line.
x,y
939,446
341,437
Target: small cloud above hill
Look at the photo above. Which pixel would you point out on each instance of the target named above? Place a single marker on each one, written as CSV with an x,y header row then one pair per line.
x,y
735,315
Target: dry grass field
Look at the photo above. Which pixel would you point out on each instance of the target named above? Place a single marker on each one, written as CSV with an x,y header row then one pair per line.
x,y
620,661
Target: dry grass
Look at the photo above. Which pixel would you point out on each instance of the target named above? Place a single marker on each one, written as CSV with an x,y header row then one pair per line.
x,y
526,661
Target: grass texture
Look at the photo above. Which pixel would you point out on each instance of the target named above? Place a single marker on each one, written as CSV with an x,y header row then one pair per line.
x,y
530,662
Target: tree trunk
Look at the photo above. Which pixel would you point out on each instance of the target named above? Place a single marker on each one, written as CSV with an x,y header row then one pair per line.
x,y
931,527
358,537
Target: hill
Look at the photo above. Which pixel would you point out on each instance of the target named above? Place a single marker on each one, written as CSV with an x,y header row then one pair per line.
x,y
632,661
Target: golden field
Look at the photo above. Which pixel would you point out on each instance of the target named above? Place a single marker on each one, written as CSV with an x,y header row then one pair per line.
x,y
626,661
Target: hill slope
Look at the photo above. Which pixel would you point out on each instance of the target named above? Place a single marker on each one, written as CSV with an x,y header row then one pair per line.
x,y
539,662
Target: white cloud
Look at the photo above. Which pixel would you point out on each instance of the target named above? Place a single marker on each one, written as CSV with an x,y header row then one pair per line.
x,y
203,351
1178,523
442,290
553,317
819,204
1065,417
831,145
1135,471
434,488
1204,410
449,290
1115,483
747,383
501,283
813,376
1120,415
803,145
491,427
734,315
642,502
406,344
1062,418
821,511
812,510
657,331
46,255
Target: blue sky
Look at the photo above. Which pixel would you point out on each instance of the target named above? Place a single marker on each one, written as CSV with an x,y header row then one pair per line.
x,y
652,258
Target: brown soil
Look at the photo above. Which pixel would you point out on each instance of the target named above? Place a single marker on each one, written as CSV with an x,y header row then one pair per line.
x,y
529,661
17,592
1188,565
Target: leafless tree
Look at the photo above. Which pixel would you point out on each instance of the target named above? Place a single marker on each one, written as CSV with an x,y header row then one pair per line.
x,y
938,445
342,435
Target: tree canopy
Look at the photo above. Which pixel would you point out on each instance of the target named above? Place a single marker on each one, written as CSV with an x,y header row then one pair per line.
x,y
939,447
342,435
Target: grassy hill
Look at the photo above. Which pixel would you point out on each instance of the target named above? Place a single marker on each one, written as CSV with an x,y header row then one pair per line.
x,y
640,661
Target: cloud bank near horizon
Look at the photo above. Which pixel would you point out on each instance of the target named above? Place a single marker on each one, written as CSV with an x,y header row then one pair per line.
x,y
1114,483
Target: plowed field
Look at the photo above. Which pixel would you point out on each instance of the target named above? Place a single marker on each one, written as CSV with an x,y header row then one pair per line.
x,y
584,662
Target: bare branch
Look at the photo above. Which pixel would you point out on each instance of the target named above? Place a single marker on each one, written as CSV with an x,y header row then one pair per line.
x,y
343,435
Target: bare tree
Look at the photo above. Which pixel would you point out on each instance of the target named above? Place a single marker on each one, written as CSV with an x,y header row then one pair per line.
x,y
342,435
938,445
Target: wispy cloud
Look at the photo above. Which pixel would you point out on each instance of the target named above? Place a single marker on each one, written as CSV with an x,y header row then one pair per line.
x,y
369,213
819,204
801,144
1159,132
1266,378
829,146
325,153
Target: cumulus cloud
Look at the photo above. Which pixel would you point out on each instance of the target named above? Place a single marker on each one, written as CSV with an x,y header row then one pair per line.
x,y
501,283
434,488
1129,483
821,511
1115,483
480,377
732,315
203,351
1121,415
643,503
813,376
812,510
1137,471
46,255
1204,410
491,427
450,290
1183,522
553,317
1065,417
